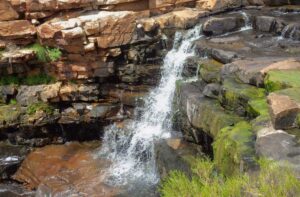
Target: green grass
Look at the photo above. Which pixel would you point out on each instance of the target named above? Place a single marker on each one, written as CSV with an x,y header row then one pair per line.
x,y
45,54
40,106
28,80
272,180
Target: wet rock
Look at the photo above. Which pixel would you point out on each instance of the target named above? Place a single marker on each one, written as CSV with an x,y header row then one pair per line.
x,y
284,108
217,26
172,154
278,145
65,170
191,66
223,56
212,90
292,31
12,189
10,159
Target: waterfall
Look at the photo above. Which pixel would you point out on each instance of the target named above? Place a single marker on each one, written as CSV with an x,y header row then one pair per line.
x,y
247,19
131,149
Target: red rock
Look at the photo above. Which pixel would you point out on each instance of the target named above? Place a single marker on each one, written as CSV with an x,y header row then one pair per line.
x,y
16,29
7,13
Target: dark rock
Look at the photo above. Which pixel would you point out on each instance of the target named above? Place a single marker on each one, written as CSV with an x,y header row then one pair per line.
x,y
217,26
10,159
276,2
15,190
212,90
223,56
171,154
265,23
292,31
190,67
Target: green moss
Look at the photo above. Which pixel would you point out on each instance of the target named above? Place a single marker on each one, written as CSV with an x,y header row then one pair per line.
x,y
210,70
13,102
258,107
298,120
233,146
235,95
9,114
261,122
212,117
37,79
282,79
272,180
45,54
40,106
293,93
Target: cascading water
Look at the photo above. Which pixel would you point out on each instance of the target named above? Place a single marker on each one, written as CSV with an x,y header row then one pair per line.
x,y
131,149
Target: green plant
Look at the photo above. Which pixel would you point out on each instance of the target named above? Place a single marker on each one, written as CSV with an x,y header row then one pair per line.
x,y
13,102
45,54
273,180
40,106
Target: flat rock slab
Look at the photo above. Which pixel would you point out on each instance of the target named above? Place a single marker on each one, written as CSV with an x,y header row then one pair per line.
x,y
66,170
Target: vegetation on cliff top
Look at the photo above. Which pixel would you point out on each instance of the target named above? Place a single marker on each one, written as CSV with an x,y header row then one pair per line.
x,y
272,180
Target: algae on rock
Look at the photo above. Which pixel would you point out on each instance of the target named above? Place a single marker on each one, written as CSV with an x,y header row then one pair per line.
x,y
282,79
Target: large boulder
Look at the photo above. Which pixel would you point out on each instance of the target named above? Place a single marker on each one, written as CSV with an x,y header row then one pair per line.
x,y
218,26
65,170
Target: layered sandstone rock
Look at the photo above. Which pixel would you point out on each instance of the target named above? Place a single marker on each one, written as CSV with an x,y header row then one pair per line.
x,y
7,12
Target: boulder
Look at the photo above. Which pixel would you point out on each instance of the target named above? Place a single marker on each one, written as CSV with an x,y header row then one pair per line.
x,y
65,170
210,70
281,79
7,13
278,145
217,26
284,108
292,31
212,90
265,23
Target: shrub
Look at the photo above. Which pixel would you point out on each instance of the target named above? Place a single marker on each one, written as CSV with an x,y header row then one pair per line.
x,y
40,106
9,80
273,180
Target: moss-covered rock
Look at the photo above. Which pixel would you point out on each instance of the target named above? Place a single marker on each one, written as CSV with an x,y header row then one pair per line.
x,y
9,115
282,79
209,116
257,107
235,96
210,70
234,148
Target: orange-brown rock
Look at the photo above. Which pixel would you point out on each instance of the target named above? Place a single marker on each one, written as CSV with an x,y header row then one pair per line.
x,y
106,28
7,12
18,29
182,18
66,170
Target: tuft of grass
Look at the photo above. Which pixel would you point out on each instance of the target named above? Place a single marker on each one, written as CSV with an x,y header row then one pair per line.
x,y
273,180
45,54
13,102
40,106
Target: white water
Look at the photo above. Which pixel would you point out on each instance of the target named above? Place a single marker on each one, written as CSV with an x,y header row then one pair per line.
x,y
131,149
248,23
